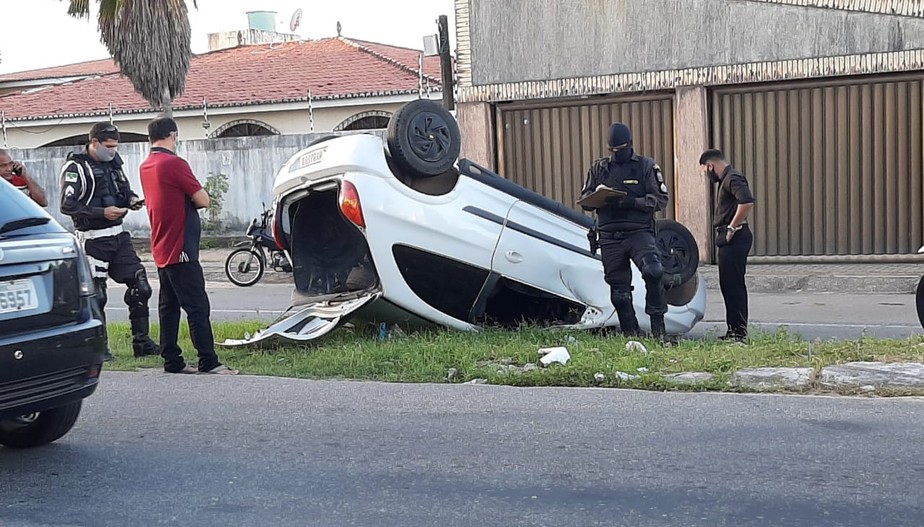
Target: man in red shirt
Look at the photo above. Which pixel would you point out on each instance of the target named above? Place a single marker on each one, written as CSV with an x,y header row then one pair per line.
x,y
173,196
16,173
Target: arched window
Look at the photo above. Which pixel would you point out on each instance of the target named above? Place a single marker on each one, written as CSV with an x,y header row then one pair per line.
x,y
374,120
244,128
82,139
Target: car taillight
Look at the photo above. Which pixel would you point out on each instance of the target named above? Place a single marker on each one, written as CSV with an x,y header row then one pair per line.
x,y
278,234
349,204
277,225
84,278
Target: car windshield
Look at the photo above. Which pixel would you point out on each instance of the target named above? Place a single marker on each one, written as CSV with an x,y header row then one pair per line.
x,y
20,216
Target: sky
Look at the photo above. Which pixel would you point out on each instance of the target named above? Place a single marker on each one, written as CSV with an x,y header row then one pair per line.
x,y
39,34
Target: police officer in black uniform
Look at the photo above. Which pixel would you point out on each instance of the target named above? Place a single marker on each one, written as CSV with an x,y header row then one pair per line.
x,y
96,195
626,228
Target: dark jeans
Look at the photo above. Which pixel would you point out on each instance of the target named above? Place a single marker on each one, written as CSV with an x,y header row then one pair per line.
x,y
183,285
732,267
618,250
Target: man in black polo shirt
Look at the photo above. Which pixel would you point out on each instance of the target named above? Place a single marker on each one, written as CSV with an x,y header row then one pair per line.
x,y
733,203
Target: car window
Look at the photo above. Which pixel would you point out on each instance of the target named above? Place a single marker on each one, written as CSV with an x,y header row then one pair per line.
x,y
19,209
448,285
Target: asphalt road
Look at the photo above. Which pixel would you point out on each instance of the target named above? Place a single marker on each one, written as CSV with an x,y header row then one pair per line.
x,y
809,314
158,449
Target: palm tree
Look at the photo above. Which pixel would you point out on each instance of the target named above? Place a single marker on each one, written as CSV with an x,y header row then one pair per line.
x,y
150,42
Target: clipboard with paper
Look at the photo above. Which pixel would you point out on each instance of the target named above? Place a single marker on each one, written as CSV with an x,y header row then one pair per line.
x,y
600,196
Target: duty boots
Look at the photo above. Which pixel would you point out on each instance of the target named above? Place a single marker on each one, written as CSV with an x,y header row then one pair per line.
x,y
628,324
657,327
142,344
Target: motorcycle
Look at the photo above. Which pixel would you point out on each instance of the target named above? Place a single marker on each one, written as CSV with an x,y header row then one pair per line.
x,y
245,266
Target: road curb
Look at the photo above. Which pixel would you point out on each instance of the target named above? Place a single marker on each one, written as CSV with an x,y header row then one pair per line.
x,y
761,278
767,282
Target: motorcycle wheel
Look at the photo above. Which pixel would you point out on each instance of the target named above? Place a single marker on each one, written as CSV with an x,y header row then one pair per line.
x,y
244,267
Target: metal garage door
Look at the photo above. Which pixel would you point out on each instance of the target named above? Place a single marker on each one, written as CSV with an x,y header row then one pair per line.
x,y
549,147
836,167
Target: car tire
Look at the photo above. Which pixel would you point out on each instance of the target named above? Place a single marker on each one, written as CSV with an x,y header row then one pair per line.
x,y
919,301
44,428
682,294
423,139
678,248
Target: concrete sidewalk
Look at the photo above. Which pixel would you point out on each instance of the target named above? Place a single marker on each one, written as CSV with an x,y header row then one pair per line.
x,y
891,278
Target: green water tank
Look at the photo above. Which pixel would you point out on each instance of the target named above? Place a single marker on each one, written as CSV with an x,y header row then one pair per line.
x,y
265,20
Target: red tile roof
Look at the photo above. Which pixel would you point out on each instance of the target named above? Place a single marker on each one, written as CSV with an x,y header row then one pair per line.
x,y
333,68
94,67
405,56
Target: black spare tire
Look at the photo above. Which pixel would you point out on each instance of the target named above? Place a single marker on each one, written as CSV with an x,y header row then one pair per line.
x,y
679,252
423,139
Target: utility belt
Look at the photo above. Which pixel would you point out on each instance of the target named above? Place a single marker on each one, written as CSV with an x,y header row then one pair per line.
x,y
95,234
628,231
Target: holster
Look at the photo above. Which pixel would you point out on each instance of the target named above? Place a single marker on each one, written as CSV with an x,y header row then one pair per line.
x,y
593,239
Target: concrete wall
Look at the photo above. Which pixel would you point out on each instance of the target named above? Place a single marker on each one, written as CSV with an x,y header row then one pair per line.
x,y
477,133
527,40
250,163
692,194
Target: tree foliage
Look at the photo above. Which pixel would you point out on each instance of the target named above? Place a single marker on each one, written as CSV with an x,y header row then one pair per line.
x,y
150,42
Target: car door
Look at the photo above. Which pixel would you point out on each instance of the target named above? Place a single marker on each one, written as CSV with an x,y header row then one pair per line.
x,y
549,252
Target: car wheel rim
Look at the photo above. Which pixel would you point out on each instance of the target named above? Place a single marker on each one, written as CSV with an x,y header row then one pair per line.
x,y
429,137
674,253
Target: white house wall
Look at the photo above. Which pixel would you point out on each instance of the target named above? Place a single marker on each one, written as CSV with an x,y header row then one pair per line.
x,y
34,134
250,163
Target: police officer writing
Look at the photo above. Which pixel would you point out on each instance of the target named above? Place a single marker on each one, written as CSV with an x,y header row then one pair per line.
x,y
626,228
733,203
96,195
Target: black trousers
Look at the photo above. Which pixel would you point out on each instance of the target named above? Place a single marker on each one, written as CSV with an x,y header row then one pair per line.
x,y
115,257
618,250
183,286
732,268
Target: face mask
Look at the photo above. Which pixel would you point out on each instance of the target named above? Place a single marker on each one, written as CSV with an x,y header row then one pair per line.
x,y
105,154
713,177
621,156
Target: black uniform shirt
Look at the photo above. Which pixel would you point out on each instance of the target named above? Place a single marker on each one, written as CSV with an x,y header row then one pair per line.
x,y
733,191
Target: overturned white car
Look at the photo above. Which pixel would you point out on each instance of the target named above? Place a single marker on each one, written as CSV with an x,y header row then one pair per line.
x,y
408,235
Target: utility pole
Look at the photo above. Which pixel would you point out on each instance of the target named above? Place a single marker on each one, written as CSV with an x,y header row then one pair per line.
x,y
445,62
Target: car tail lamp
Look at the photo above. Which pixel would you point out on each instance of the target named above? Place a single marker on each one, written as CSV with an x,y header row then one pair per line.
x,y
349,204
84,277
278,234
276,225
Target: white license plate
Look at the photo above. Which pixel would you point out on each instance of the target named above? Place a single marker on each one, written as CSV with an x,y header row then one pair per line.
x,y
18,295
